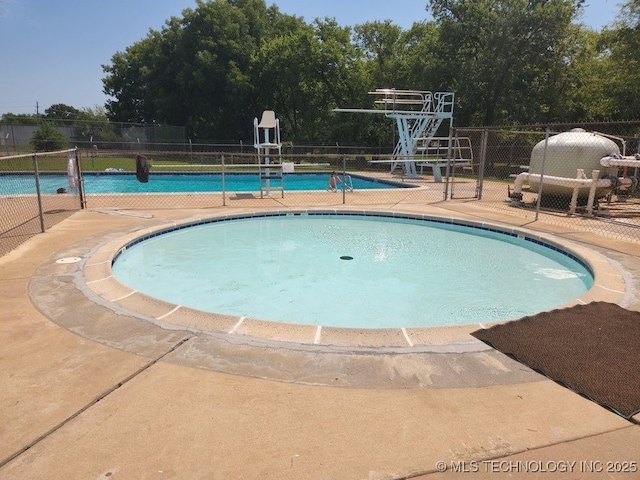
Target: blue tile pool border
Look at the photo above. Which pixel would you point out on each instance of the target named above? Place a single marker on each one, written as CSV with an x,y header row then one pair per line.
x,y
424,218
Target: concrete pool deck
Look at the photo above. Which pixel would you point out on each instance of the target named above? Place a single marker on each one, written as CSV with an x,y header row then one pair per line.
x,y
90,391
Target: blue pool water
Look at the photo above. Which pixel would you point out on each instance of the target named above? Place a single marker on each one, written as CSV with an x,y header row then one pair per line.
x,y
352,271
192,182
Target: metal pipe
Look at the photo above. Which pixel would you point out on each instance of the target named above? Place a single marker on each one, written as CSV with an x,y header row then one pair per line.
x,y
622,141
560,181
619,161
574,196
592,191
575,183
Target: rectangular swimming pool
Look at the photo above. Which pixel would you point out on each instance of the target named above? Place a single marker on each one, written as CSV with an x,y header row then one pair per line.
x,y
16,184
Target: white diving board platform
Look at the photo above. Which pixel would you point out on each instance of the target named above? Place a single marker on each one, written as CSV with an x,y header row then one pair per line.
x,y
418,115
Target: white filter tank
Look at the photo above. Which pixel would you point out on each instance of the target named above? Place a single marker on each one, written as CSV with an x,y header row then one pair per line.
x,y
566,153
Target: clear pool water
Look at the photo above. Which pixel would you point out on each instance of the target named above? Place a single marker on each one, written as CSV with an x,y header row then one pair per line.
x,y
192,182
352,271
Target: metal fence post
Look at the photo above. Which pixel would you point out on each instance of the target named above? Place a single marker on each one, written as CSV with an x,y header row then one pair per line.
x,y
83,202
448,167
544,158
344,178
483,161
38,194
224,193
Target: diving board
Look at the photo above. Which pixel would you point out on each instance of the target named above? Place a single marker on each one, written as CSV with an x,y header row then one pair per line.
x,y
418,115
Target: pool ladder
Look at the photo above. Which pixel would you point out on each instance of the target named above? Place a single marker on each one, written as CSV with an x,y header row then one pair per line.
x,y
348,183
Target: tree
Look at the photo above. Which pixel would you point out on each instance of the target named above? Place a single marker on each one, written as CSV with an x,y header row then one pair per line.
x,y
60,111
47,138
127,81
19,119
504,58
420,67
589,80
92,126
225,61
508,61
305,74
381,43
196,71
217,45
620,48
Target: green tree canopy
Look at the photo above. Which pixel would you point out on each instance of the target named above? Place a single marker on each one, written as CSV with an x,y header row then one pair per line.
x,y
620,60
195,72
504,59
48,139
60,111
223,62
19,119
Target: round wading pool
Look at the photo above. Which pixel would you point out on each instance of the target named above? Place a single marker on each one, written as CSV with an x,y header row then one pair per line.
x,y
353,270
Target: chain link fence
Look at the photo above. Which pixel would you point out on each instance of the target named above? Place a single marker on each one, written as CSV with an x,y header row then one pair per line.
x,y
583,179
105,135
36,192
579,177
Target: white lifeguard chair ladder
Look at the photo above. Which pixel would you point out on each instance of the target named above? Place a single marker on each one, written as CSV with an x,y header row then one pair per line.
x,y
266,138
418,115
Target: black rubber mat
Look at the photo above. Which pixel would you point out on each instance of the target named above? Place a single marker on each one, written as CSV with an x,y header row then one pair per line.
x,y
592,349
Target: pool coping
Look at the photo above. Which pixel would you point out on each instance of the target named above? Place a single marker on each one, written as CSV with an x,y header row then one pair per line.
x,y
608,286
74,289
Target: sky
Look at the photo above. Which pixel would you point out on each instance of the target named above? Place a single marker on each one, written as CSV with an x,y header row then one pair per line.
x,y
52,51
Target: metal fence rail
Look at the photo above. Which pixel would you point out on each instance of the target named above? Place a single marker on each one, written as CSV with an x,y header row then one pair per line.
x,y
533,174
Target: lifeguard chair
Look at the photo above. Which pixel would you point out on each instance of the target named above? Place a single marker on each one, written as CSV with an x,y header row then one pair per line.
x,y
266,139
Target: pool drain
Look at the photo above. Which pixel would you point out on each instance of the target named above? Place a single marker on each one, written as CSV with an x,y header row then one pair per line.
x,y
69,260
346,257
